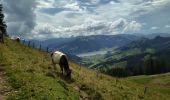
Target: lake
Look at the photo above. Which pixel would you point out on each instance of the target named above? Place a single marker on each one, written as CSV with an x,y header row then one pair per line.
x,y
92,53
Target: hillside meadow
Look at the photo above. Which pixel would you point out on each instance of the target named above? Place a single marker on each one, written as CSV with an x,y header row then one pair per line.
x,y
29,75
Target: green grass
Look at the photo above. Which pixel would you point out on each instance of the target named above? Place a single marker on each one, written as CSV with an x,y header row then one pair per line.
x,y
141,80
31,76
155,83
26,71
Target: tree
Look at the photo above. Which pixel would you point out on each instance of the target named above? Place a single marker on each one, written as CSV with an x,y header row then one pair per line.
x,y
3,25
1,37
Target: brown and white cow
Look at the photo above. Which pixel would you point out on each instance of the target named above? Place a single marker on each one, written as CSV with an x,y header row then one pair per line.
x,y
61,59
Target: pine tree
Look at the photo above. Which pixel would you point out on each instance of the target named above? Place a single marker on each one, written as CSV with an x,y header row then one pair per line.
x,y
1,37
3,25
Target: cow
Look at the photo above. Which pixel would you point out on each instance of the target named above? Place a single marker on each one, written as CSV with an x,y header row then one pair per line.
x,y
18,39
61,59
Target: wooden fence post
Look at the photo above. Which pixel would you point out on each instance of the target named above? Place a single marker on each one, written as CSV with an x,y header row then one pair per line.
x,y
23,42
33,45
47,49
29,43
145,90
80,66
40,47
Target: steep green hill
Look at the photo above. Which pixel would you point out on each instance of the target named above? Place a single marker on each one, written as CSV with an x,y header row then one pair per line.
x,y
29,75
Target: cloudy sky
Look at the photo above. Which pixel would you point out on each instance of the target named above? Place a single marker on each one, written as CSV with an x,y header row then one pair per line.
x,y
43,19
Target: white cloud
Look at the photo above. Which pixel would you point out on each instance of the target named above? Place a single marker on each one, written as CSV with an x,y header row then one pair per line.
x,y
92,17
167,26
154,28
73,6
132,27
45,3
20,16
89,27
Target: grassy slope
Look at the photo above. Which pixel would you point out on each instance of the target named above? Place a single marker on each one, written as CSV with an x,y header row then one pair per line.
x,y
26,72
156,84
31,76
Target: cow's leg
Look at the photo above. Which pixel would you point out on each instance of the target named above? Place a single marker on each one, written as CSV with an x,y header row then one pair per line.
x,y
68,73
62,71
54,66
67,69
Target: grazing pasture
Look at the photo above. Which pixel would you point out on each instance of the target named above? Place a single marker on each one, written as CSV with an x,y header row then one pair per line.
x,y
29,74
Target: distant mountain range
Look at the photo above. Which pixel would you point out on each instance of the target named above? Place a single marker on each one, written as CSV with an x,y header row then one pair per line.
x,y
95,42
81,44
50,43
158,43
153,35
